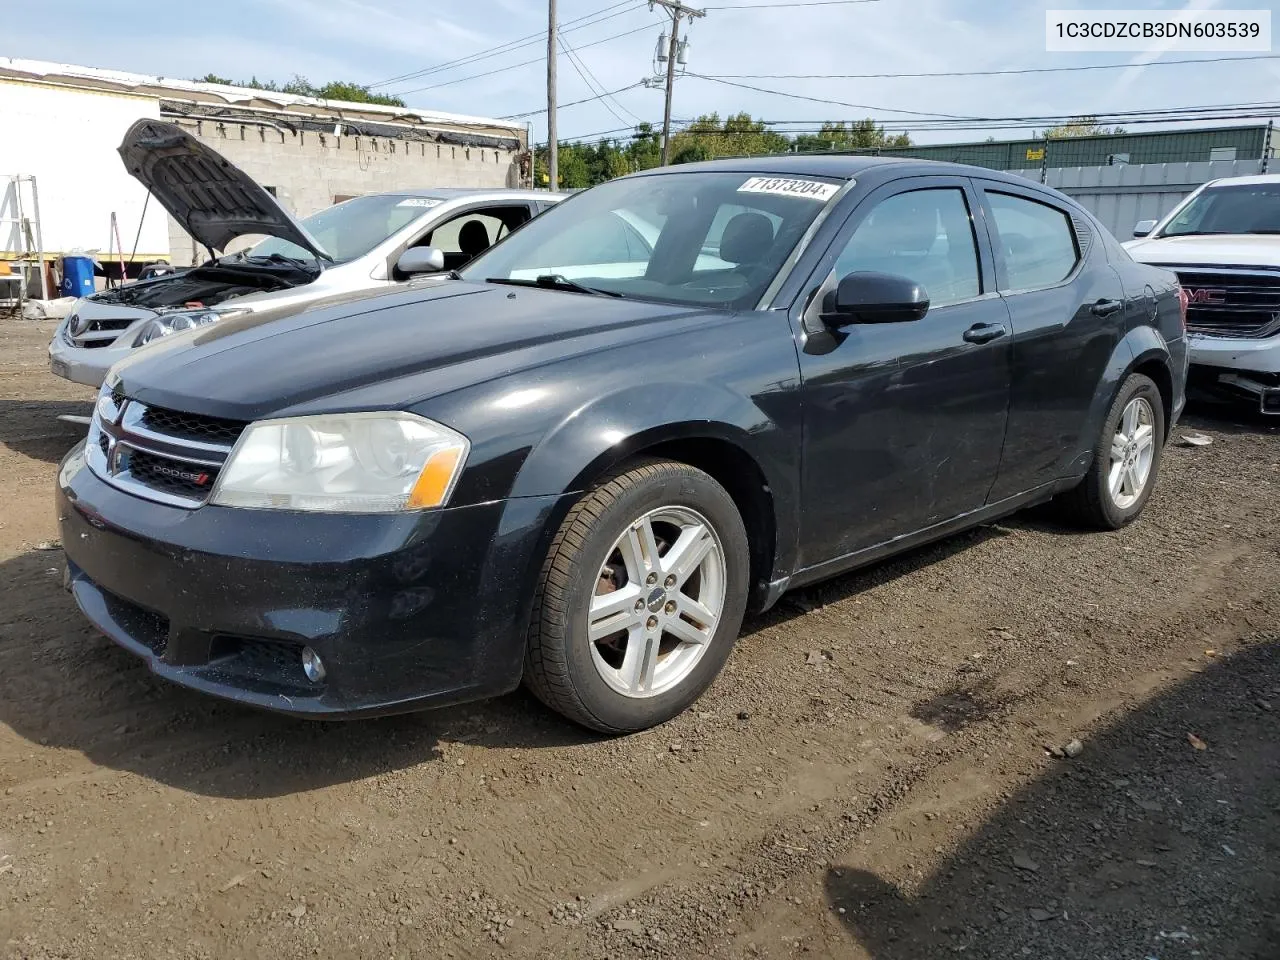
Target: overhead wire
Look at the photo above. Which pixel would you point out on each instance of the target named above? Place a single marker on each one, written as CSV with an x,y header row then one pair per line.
x,y
523,63
594,85
568,26
980,73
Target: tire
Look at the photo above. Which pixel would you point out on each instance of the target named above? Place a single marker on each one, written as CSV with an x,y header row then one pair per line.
x,y
1097,503
597,577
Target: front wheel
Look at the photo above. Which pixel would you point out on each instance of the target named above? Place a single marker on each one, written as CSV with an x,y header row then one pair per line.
x,y
640,599
1126,459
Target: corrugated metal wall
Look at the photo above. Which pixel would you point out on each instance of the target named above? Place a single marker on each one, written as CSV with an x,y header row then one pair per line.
x,y
1120,196
1173,146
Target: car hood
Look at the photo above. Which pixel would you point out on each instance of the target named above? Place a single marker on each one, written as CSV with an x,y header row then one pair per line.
x,y
213,199
1233,249
384,351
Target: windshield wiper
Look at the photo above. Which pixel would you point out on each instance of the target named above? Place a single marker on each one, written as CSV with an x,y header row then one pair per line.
x,y
556,281
281,258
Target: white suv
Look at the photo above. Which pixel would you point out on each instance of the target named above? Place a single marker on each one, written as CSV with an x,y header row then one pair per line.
x,y
1223,242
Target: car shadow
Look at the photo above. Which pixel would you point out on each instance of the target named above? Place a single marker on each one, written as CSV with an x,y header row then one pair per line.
x,y
798,602
1149,844
32,427
66,686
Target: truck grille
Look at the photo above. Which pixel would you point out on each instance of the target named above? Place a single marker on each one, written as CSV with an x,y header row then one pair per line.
x,y
168,456
1230,302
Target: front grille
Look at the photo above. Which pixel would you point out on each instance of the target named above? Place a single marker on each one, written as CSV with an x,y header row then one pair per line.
x,y
192,426
167,474
94,344
1231,303
109,323
164,455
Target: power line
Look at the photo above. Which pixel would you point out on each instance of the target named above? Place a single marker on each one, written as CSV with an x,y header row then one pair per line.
x,y
803,3
595,86
574,103
977,73
522,63
517,44
837,103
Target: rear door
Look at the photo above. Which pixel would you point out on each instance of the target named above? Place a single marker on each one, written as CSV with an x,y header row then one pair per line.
x,y
904,421
1067,306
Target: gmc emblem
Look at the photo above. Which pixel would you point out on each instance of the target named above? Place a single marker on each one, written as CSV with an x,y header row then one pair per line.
x,y
1206,295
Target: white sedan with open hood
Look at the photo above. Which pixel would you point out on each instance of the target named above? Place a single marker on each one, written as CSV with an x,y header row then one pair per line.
x,y
354,246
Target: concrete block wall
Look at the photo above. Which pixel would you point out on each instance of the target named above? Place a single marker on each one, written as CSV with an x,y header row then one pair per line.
x,y
308,170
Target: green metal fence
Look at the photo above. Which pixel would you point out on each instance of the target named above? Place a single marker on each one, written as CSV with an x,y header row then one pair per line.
x,y
1177,146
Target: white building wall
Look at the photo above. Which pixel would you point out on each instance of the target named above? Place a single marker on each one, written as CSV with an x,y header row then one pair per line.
x,y
310,171
67,139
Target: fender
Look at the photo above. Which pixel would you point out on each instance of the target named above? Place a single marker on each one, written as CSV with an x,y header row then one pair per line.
x,y
1138,346
609,429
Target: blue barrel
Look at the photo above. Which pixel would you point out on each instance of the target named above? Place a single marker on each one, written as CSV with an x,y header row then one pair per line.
x,y
77,276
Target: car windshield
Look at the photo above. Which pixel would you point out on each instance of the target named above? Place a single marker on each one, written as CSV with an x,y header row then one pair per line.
x,y
701,239
352,228
1231,208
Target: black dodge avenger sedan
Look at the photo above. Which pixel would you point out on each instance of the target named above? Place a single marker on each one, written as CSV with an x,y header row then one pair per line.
x,y
578,461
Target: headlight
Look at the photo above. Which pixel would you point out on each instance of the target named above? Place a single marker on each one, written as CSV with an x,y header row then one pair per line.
x,y
343,463
175,322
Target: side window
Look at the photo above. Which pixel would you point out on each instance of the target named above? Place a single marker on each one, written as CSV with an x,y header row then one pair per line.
x,y
924,235
1038,241
470,234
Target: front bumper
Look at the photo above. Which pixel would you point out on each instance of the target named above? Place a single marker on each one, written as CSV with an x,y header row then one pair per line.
x,y
84,364
406,611
1231,353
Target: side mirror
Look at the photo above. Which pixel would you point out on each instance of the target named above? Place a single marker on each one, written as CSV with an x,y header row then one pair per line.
x,y
1143,227
417,260
867,297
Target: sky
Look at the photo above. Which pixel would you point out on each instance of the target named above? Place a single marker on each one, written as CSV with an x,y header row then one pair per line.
x,y
373,41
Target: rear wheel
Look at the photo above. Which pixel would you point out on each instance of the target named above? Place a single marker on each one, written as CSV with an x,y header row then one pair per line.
x,y
1126,459
640,600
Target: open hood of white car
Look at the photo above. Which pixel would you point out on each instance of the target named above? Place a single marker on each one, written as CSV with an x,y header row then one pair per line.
x,y
1227,249
213,199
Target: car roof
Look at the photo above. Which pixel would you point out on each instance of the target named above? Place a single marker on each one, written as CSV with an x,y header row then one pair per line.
x,y
1256,178
841,167
460,193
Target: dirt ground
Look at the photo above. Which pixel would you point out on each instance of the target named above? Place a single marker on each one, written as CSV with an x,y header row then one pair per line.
x,y
868,780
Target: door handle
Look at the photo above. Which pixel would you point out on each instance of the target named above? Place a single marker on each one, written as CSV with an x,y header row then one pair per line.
x,y
984,332
1105,308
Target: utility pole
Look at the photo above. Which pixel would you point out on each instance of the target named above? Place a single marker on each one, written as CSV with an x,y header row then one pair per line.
x,y
676,10
553,145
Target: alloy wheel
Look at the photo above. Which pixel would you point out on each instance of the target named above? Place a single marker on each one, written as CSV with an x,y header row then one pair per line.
x,y
657,603
1133,450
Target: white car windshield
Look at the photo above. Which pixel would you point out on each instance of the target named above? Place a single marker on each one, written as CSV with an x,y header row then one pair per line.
x,y
1230,208
352,228
695,238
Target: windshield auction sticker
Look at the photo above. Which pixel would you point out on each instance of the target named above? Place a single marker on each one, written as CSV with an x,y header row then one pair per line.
x,y
787,187
1162,31
419,202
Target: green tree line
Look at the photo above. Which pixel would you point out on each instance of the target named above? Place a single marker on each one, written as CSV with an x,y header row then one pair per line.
x,y
584,164
301,86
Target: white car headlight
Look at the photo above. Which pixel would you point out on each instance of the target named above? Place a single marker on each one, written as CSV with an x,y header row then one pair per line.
x,y
343,463
176,321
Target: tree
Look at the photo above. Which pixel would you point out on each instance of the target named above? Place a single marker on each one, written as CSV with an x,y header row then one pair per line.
x,y
1080,127
860,135
300,86
738,135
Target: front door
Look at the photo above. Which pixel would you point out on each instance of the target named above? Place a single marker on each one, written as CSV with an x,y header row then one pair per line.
x,y
904,422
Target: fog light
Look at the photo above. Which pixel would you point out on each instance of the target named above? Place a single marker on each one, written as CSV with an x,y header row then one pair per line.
x,y
312,665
